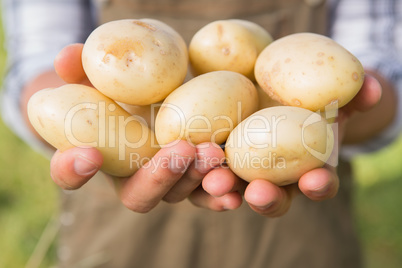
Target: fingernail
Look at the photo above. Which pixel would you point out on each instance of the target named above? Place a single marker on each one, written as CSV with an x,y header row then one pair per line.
x,y
204,165
179,164
322,190
83,166
267,206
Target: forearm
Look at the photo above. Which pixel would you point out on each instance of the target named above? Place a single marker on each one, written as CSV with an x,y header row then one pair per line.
x,y
34,34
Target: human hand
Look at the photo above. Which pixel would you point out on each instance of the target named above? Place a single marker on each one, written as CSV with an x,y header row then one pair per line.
x,y
319,184
221,189
157,180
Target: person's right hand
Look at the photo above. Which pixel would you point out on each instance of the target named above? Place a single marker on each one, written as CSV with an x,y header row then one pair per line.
x,y
153,182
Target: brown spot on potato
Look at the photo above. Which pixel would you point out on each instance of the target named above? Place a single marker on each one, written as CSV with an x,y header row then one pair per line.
x,y
288,60
296,102
319,62
101,47
225,51
129,60
276,69
106,59
220,31
355,76
320,54
267,83
145,25
157,42
117,84
122,46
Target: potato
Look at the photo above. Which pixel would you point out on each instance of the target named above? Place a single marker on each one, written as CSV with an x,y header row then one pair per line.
x,y
279,144
231,45
137,62
77,115
206,108
310,71
147,112
265,101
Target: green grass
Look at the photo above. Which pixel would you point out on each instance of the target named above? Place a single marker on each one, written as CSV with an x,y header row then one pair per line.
x,y
29,200
380,223
378,202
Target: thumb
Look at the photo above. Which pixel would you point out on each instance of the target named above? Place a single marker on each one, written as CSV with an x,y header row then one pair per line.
x,y
74,167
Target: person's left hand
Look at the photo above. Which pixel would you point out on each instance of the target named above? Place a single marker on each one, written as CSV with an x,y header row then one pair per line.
x,y
319,184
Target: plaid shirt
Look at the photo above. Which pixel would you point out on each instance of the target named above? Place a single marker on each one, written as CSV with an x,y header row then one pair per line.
x,y
35,31
370,29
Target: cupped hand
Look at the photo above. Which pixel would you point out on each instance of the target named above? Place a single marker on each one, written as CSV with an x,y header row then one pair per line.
x,y
318,184
172,175
201,176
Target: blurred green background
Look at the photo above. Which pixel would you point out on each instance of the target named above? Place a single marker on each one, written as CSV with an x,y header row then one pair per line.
x,y
29,203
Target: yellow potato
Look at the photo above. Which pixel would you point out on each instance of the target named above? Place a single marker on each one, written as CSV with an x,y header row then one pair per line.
x,y
135,61
279,144
147,112
310,71
206,108
77,115
265,101
231,45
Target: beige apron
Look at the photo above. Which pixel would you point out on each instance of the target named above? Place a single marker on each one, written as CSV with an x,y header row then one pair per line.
x,y
101,232
279,17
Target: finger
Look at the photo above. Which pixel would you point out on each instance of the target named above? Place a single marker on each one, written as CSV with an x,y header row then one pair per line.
x,y
228,201
68,64
319,184
368,96
269,199
208,156
221,181
74,167
146,188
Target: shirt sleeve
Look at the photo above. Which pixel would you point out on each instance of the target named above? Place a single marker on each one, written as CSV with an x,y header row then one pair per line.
x,y
35,31
371,30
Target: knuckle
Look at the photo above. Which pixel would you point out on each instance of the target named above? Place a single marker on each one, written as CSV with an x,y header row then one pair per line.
x,y
173,197
136,205
159,181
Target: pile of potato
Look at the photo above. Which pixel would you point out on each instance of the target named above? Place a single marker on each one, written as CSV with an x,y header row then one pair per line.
x,y
263,98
